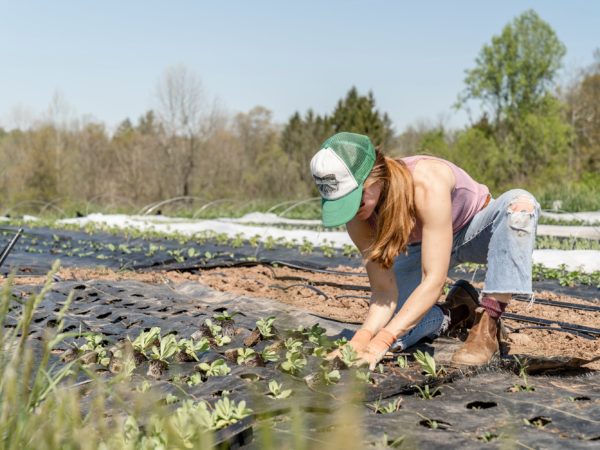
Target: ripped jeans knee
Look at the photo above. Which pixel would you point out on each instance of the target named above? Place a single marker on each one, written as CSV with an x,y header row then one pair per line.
x,y
522,214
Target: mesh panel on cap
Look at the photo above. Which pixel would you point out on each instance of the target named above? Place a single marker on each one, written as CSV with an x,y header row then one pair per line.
x,y
356,151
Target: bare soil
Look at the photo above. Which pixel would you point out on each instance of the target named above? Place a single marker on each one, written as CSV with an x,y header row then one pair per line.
x,y
339,301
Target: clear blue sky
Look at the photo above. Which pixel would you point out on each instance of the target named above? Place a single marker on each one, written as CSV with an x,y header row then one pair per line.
x,y
106,57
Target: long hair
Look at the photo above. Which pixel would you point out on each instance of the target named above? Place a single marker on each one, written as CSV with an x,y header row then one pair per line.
x,y
395,210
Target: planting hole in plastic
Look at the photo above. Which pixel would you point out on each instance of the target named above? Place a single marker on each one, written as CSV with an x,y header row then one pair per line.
x,y
434,424
251,377
540,421
481,405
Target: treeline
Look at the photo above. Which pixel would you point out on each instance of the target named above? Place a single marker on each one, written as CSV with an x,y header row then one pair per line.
x,y
527,132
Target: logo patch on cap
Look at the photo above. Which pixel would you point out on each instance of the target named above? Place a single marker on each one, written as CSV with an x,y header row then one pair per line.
x,y
327,184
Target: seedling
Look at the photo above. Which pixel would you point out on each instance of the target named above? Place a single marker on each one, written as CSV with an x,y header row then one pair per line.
x,y
314,334
226,412
224,316
349,250
340,342
146,340
390,407
188,348
237,241
193,380
363,375
276,390
152,249
222,340
319,352
487,437
222,238
525,387
307,247
426,394
428,365
269,355
328,250
160,355
93,346
254,240
294,363
538,422
402,362
214,328
265,326
192,252
269,243
215,368
330,376
245,355
293,345
349,356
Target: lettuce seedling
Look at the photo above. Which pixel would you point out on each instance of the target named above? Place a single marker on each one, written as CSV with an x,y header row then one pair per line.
x,y
160,355
227,412
265,326
269,355
276,391
189,349
245,355
146,340
293,345
293,363
349,356
215,368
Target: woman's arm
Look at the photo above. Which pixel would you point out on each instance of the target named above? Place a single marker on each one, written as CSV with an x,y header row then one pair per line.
x,y
384,293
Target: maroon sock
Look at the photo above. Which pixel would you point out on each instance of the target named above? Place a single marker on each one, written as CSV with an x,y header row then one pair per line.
x,y
493,307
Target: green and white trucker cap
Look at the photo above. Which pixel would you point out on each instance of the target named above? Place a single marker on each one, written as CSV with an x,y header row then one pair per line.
x,y
340,169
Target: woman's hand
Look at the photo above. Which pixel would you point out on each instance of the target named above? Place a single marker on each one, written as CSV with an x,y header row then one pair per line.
x,y
377,348
359,342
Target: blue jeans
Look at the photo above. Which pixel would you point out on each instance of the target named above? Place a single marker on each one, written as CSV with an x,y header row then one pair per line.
x,y
497,236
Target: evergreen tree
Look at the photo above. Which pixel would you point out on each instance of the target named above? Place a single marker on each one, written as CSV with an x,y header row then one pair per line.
x,y
358,114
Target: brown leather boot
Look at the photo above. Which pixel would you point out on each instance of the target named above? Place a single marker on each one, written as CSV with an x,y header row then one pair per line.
x,y
460,304
481,344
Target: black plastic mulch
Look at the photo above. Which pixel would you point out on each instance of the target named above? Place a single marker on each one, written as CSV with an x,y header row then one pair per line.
x,y
563,411
473,408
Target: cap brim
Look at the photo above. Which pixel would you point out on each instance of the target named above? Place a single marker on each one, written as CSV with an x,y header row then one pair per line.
x,y
341,211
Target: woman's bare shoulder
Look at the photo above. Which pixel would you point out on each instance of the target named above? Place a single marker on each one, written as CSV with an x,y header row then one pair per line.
x,y
433,173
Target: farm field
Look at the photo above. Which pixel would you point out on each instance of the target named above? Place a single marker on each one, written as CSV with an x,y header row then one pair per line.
x,y
221,338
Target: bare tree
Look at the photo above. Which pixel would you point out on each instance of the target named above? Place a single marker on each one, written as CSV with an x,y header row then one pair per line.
x,y
182,110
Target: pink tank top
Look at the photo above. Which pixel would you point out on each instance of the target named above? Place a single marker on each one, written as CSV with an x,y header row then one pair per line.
x,y
468,196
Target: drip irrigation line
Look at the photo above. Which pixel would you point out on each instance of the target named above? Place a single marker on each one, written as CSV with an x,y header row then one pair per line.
x,y
542,301
349,287
313,269
361,297
549,328
564,325
308,286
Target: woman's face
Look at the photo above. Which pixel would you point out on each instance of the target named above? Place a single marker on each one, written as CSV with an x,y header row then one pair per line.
x,y
369,201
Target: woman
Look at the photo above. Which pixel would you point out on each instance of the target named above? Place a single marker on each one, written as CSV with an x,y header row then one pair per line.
x,y
412,218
